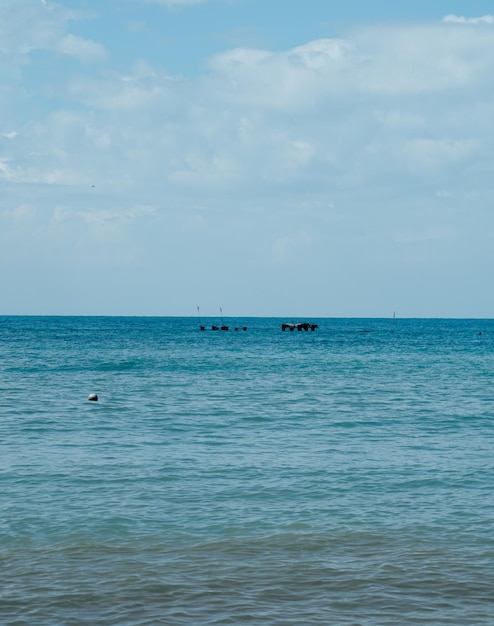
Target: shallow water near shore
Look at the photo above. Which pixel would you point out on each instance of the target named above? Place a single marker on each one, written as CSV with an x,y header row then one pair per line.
x,y
340,476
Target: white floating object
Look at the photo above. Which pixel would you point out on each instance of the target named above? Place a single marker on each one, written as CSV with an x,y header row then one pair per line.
x,y
93,397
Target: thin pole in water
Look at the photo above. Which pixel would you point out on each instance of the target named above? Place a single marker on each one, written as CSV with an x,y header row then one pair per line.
x,y
223,327
199,316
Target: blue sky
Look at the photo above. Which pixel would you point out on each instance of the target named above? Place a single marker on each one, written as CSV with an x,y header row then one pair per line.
x,y
284,158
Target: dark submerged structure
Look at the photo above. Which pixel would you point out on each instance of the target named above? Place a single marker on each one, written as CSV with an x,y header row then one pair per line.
x,y
300,326
214,327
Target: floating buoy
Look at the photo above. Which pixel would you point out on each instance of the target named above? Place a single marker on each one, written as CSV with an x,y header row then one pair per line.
x,y
93,397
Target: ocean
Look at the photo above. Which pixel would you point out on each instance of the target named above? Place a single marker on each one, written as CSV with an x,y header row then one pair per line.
x,y
337,476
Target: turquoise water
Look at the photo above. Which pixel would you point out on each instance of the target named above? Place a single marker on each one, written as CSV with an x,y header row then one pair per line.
x,y
341,476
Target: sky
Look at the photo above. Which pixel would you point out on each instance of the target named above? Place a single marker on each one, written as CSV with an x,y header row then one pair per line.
x,y
288,158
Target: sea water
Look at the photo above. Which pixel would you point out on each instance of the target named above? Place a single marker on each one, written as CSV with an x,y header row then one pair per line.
x,y
337,476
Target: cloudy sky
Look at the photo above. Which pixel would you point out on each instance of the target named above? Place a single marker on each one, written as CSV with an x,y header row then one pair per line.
x,y
272,157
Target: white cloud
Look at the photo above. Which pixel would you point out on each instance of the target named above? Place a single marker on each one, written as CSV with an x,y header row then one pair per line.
x,y
81,48
136,26
286,80
98,217
27,26
475,21
6,171
203,168
443,193
284,248
41,176
375,60
433,153
175,3
21,213
121,93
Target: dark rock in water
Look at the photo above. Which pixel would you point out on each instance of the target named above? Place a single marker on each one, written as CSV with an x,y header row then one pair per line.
x,y
93,397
